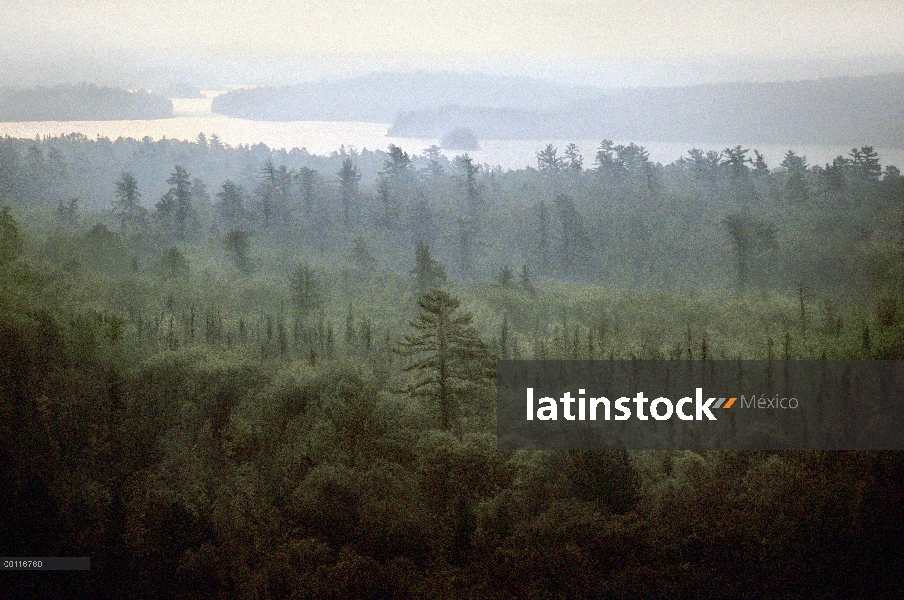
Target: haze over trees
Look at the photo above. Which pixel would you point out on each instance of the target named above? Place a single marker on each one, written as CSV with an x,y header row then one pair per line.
x,y
277,381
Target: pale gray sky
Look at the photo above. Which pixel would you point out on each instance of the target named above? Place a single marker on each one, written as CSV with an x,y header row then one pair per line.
x,y
574,38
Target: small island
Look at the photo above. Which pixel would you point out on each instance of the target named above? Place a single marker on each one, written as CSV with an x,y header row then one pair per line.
x,y
460,138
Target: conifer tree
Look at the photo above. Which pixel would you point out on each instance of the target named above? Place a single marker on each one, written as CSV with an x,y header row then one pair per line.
x,y
427,273
236,246
505,276
307,294
231,205
525,279
175,208
349,176
450,358
127,205
10,239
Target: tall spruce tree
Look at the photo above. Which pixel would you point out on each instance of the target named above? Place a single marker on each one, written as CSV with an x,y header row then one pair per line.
x,y
349,177
127,205
175,208
451,361
427,273
10,240
231,206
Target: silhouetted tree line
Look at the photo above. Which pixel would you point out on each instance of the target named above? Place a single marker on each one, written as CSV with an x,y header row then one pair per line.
x,y
619,219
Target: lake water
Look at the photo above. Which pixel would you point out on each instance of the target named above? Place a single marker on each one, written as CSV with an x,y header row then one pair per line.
x,y
193,116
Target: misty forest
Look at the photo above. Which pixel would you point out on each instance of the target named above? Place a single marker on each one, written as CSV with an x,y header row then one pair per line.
x,y
239,372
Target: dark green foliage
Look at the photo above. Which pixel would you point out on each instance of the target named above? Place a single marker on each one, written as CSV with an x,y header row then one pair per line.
x,y
236,246
272,196
575,162
606,477
467,238
67,212
128,202
10,240
307,292
575,243
307,180
104,251
469,173
349,177
796,187
543,237
750,239
450,358
362,259
505,276
548,161
428,274
174,210
173,264
864,163
205,435
231,205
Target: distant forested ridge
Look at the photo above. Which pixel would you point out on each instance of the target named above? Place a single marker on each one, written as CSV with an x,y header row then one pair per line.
x,y
379,97
840,110
825,111
81,103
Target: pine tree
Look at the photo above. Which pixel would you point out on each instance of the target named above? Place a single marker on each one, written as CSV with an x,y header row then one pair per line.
x,y
10,239
504,339
865,163
361,257
607,163
467,235
127,205
427,273
543,234
349,176
505,276
267,193
472,188
389,208
736,161
575,243
175,208
67,212
273,195
434,155
549,162
394,185
306,290
760,168
575,162
525,281
451,360
231,205
307,181
173,264
236,246
398,166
